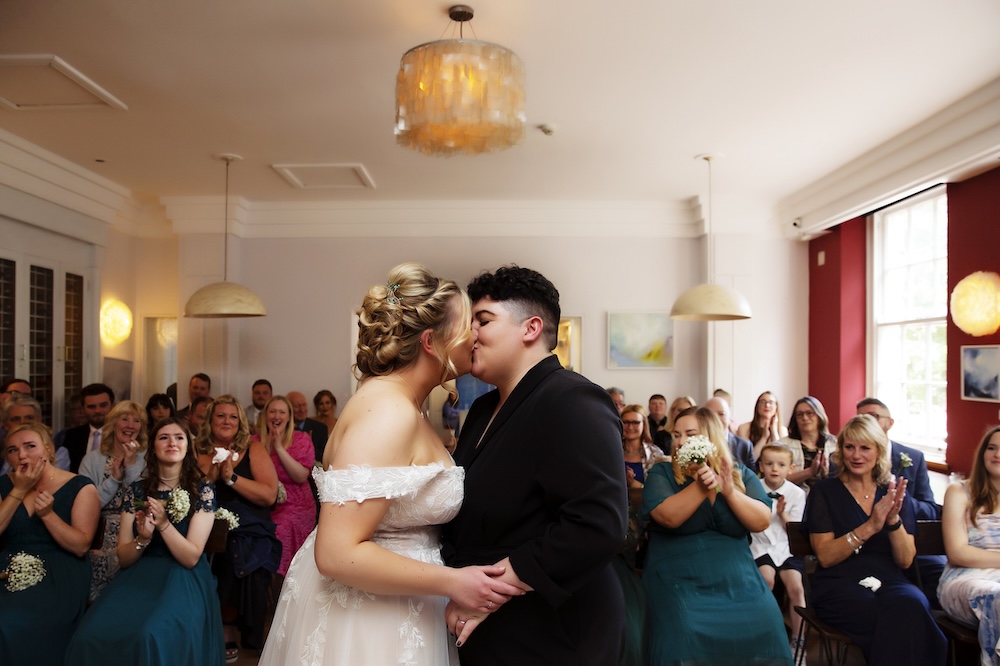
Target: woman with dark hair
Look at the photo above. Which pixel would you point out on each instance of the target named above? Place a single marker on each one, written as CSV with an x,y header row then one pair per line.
x,y
699,565
765,426
158,407
162,607
862,532
809,440
969,590
369,585
49,514
637,445
246,484
326,409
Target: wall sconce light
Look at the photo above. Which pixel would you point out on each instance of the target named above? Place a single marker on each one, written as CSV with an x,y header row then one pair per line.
x,y
116,322
975,303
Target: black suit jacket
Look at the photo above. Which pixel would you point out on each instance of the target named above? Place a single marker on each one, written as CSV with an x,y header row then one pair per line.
x,y
76,442
545,487
742,450
319,433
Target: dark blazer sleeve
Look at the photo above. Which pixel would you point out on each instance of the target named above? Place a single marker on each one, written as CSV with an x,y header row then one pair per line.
x,y
918,487
580,471
742,450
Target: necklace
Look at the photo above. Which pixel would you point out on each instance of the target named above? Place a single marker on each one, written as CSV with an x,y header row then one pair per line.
x,y
415,403
163,478
867,495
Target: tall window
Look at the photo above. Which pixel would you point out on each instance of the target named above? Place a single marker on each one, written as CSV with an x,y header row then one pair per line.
x,y
909,309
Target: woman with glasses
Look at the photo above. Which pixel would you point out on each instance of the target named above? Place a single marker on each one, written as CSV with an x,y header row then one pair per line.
x,y
765,427
810,442
637,444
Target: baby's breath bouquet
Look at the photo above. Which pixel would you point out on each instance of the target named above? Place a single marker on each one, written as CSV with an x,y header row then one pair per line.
x,y
695,452
228,516
23,571
282,494
178,504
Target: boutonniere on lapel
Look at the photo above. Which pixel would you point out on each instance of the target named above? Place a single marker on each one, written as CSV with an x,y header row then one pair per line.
x,y
905,461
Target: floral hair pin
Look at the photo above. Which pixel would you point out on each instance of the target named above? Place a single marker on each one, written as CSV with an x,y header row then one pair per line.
x,y
390,296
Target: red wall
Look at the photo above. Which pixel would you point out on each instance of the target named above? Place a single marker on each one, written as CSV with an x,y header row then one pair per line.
x,y
973,245
837,314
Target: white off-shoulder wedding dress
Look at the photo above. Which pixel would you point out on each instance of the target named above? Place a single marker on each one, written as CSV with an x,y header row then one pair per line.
x,y
321,622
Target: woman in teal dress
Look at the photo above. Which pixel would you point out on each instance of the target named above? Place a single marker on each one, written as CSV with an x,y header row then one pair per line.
x,y
162,607
707,602
51,514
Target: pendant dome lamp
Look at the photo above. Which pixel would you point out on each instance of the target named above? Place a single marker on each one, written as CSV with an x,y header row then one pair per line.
x,y
221,300
710,301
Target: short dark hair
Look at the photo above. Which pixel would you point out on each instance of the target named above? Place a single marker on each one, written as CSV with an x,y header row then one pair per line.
x,y
203,377
200,399
528,291
6,386
91,390
657,396
865,402
256,384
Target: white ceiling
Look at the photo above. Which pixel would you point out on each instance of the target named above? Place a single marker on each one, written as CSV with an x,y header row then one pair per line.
x,y
786,90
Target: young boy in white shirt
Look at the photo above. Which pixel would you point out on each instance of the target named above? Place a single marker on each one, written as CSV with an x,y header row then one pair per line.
x,y
770,547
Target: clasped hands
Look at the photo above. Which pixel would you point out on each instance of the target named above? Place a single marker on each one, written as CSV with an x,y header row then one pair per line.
x,y
124,457
709,480
483,590
886,510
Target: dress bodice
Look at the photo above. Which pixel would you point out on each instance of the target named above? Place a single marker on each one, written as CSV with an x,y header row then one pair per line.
x,y
424,497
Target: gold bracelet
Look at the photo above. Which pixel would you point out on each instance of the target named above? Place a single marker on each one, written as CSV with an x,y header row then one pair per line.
x,y
139,545
19,498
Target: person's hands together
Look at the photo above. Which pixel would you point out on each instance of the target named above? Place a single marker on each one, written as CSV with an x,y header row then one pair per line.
x,y
725,476
43,503
158,513
26,476
144,524
481,589
707,477
462,622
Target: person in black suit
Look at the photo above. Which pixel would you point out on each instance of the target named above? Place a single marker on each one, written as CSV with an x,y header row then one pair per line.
x,y
97,399
317,430
199,385
544,490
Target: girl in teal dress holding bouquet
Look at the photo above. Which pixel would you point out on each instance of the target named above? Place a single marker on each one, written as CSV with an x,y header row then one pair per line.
x,y
162,608
708,603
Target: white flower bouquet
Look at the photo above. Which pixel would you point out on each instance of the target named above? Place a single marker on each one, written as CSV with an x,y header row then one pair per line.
x,y
178,504
23,571
228,516
695,452
282,494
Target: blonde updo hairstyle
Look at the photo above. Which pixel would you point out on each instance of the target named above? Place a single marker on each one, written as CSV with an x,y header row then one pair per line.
x,y
393,316
864,429
711,427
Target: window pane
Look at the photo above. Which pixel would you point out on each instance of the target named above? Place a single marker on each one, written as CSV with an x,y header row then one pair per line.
x,y
40,343
73,367
7,284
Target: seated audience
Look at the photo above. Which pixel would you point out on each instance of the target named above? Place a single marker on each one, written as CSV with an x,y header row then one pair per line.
x,y
617,397
158,407
765,427
810,442
862,532
247,486
291,453
970,585
662,437
326,409
770,548
657,413
97,401
21,410
640,452
260,393
49,514
741,449
199,385
162,607
316,430
113,467
196,415
707,602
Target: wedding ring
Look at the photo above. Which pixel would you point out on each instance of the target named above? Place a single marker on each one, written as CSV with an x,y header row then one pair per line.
x,y
489,605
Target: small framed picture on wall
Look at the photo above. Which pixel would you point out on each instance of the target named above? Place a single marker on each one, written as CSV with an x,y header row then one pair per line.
x,y
640,340
981,373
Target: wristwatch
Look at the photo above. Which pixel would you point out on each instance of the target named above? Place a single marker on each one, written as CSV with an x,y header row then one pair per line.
x,y
231,480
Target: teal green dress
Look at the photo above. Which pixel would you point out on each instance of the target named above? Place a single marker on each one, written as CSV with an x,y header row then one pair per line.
x,y
36,623
156,612
708,604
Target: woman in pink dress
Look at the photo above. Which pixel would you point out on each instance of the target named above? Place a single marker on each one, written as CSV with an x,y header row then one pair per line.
x,y
292,454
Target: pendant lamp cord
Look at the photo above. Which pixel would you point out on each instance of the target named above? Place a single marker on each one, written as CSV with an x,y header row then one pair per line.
x,y
225,235
708,224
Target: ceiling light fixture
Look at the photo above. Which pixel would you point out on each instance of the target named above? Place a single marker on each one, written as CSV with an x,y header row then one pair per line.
x,y
710,301
224,299
459,95
975,303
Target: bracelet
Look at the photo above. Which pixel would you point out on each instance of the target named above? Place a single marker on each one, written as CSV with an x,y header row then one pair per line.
x,y
139,545
855,542
19,498
893,528
163,529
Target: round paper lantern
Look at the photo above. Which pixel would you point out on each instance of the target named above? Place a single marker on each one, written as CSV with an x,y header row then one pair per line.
x,y
975,303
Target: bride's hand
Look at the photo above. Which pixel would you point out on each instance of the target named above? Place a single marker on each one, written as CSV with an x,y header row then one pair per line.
x,y
480,589
462,622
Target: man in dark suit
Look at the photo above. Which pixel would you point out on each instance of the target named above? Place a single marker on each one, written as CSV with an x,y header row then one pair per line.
x,y
741,448
97,401
909,463
544,488
200,384
316,429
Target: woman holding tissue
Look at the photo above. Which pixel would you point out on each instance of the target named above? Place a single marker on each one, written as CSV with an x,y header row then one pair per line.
x,y
862,531
162,608
113,467
699,566
246,483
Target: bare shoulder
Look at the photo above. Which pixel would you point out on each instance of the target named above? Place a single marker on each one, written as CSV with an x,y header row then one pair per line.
x,y
956,495
378,427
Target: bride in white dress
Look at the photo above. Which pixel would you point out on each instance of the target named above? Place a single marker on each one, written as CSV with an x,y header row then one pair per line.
x,y
368,587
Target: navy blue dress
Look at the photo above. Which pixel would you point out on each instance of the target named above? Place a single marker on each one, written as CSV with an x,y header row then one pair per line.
x,y
157,611
36,623
891,626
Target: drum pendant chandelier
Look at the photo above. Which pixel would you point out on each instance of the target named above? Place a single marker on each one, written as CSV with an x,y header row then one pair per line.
x,y
459,95
225,299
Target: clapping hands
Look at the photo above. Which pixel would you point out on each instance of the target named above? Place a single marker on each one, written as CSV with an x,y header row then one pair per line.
x,y
886,510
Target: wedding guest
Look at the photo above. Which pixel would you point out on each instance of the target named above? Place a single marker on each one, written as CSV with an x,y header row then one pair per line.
x,y
158,407
49,514
810,442
969,590
862,532
699,566
663,437
617,397
162,608
113,467
765,426
639,451
326,409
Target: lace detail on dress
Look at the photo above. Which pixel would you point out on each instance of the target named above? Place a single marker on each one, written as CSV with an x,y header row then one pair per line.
x,y
206,497
356,484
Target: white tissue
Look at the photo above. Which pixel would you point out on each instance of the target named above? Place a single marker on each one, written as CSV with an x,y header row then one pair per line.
x,y
871,583
221,454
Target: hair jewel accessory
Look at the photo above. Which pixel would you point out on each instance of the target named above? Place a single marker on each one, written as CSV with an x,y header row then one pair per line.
x,y
391,296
